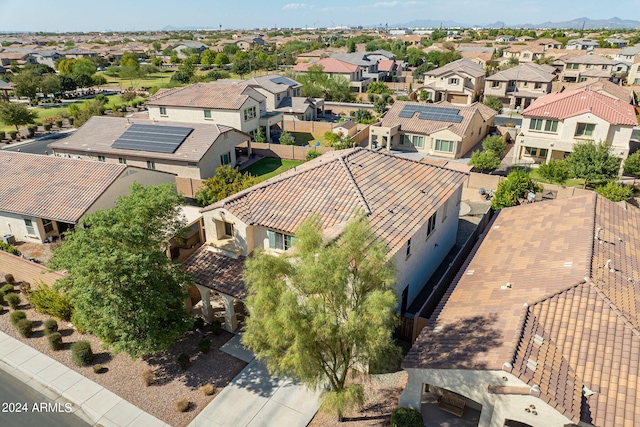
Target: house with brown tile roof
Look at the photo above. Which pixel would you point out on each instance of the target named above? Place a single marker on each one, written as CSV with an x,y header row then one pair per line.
x,y
552,124
337,68
601,85
458,82
541,325
233,103
43,196
440,129
205,147
412,206
584,67
520,85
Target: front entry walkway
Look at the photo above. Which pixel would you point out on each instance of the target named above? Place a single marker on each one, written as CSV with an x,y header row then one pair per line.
x,y
255,398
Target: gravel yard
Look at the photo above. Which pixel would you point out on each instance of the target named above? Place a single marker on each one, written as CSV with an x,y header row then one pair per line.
x,y
123,376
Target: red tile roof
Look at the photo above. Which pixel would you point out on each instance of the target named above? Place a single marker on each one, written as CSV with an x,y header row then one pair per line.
x,y
329,65
216,271
387,65
561,105
213,95
51,187
400,194
568,321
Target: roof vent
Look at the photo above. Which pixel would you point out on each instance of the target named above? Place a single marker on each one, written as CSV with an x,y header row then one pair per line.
x,y
608,265
470,272
532,364
538,339
535,389
437,329
506,286
597,236
586,391
507,366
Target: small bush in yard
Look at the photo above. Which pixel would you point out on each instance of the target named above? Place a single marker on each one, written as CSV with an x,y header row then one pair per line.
x,y
6,289
55,341
182,405
17,316
81,353
183,361
9,279
216,328
59,123
13,300
50,326
25,328
208,389
148,377
406,417
98,369
51,301
198,323
204,346
2,294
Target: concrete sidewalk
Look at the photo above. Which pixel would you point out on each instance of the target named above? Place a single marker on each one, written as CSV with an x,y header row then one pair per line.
x,y
91,402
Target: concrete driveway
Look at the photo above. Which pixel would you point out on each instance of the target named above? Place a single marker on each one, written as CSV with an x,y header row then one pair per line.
x,y
255,398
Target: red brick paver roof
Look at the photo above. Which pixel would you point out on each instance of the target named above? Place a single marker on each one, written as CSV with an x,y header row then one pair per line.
x,y
329,65
213,95
216,271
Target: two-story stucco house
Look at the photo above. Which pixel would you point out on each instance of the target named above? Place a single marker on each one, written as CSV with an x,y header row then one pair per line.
x,y
584,67
412,207
229,103
336,68
441,129
554,123
459,82
520,85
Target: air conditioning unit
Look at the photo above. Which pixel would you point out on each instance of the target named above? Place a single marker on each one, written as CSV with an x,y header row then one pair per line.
x,y
9,239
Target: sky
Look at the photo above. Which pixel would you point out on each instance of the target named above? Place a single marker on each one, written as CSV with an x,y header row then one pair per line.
x,y
119,15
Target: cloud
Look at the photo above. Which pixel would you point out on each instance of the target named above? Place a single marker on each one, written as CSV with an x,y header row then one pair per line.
x,y
386,4
296,6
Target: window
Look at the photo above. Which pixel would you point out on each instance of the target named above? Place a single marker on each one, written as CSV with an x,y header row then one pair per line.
x,y
249,113
151,165
48,225
207,114
525,84
163,111
280,241
535,152
538,86
583,79
605,67
408,248
585,129
228,229
495,84
122,160
431,225
572,66
415,140
536,124
589,66
551,126
453,81
29,224
525,55
636,81
447,146
225,159
101,159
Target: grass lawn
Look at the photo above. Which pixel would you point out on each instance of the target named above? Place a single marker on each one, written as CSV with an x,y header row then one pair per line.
x,y
307,138
154,79
269,167
572,182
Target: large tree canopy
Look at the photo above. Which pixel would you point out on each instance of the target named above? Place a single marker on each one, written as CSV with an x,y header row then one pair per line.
x,y
226,181
593,162
123,287
13,114
323,310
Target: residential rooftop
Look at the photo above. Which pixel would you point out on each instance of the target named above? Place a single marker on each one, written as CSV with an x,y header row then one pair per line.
x,y
219,95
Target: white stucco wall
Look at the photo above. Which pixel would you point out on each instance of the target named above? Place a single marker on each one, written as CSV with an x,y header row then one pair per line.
x,y
11,223
473,384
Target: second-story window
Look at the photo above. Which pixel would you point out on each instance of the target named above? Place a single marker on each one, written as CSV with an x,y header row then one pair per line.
x,y
453,81
431,226
536,124
207,114
151,164
585,129
551,126
163,111
280,241
408,248
249,113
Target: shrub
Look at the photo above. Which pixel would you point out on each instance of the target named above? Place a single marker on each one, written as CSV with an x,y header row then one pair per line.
x,y
46,126
148,377
204,346
494,103
6,288
13,300
485,160
98,369
55,341
9,248
554,171
182,405
216,328
208,389
50,326
198,323
183,361
17,316
9,279
2,135
25,287
615,192
2,298
128,96
81,353
59,123
312,154
25,327
496,144
71,120
32,130
406,417
50,301
13,134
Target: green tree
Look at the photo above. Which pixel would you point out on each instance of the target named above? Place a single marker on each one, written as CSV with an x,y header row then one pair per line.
x,y
632,164
65,66
83,70
13,114
226,182
27,84
241,64
311,154
287,139
124,288
554,171
493,102
512,189
351,46
485,160
361,115
324,310
496,144
378,87
380,106
593,162
420,71
90,108
615,192
221,60
208,58
260,136
157,46
50,84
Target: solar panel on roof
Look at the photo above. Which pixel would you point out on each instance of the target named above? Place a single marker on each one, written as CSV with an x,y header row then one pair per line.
x,y
428,112
155,138
284,81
